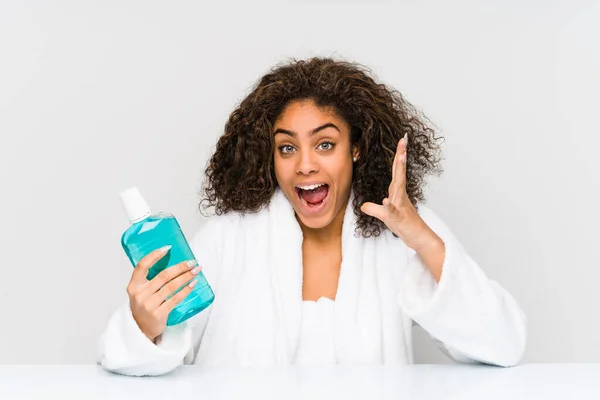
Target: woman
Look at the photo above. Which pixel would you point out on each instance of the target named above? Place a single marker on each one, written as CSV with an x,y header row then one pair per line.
x,y
321,251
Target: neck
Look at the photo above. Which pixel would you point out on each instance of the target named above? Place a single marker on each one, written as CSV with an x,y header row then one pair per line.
x,y
331,233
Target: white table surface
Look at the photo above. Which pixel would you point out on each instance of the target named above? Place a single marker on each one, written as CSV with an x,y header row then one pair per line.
x,y
526,381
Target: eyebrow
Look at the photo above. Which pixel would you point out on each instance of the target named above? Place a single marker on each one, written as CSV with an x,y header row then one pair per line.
x,y
311,133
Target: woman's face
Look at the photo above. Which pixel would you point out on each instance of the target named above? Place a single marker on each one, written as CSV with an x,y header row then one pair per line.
x,y
313,162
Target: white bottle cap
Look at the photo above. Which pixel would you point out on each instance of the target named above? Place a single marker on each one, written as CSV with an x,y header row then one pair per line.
x,y
134,204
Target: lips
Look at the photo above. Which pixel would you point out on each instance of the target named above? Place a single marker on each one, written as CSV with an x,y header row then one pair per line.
x,y
313,196
310,185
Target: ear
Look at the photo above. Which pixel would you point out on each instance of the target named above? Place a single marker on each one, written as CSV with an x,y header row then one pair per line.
x,y
355,154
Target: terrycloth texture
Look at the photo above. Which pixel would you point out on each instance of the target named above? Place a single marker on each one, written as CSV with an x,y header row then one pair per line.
x,y
317,339
254,265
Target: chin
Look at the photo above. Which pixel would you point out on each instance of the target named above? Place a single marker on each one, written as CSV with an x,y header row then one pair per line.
x,y
314,222
315,216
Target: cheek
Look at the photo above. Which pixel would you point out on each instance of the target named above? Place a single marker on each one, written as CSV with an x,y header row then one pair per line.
x,y
346,177
342,173
282,170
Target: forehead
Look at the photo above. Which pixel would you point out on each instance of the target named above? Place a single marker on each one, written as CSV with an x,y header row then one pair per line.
x,y
305,115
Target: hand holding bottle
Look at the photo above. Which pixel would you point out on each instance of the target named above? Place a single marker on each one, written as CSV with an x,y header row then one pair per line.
x,y
149,299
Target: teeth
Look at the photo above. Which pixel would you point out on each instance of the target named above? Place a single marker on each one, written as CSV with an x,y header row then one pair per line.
x,y
310,187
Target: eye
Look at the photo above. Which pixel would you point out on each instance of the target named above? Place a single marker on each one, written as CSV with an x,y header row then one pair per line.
x,y
286,148
326,146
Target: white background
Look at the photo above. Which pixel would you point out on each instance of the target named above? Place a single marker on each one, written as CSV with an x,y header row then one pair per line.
x,y
97,96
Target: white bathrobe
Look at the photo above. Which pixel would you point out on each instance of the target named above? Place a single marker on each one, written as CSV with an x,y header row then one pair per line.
x,y
254,265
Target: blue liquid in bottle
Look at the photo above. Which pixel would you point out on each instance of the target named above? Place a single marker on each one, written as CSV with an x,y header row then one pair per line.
x,y
151,231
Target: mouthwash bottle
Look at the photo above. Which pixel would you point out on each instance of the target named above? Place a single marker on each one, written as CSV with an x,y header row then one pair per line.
x,y
150,231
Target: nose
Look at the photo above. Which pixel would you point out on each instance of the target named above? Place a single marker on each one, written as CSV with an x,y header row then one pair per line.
x,y
306,164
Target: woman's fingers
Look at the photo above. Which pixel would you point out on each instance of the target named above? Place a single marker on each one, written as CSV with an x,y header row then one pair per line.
x,y
397,189
168,274
172,286
172,302
374,210
398,185
140,272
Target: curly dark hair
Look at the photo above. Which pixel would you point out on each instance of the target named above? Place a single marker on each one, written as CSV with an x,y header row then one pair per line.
x,y
241,175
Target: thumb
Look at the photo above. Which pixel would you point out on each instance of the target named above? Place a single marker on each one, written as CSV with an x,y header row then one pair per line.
x,y
140,271
374,210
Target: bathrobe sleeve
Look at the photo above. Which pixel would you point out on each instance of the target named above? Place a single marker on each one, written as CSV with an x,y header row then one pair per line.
x,y
124,349
471,317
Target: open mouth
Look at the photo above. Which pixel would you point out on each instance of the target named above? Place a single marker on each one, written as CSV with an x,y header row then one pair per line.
x,y
313,196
